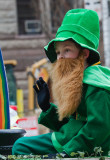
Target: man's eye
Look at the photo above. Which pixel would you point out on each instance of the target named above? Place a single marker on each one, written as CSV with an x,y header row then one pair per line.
x,y
67,50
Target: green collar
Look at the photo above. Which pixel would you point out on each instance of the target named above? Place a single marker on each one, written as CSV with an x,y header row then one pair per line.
x,y
98,76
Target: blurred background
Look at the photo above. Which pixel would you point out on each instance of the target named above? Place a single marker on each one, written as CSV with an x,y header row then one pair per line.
x,y
26,26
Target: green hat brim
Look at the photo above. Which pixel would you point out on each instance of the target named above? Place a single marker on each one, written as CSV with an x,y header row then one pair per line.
x,y
63,36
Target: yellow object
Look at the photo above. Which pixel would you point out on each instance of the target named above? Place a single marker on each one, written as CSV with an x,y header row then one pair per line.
x,y
12,62
16,128
38,64
44,74
31,90
30,72
96,63
20,105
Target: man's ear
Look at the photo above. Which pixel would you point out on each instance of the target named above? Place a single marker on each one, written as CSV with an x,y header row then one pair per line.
x,y
86,53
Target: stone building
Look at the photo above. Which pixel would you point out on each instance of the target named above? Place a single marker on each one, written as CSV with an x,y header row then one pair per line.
x,y
25,28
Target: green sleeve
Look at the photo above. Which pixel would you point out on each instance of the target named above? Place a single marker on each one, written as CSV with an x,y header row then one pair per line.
x,y
50,118
96,131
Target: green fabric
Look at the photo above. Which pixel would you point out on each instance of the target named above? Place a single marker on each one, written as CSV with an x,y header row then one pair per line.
x,y
65,134
97,76
96,132
80,25
45,117
35,145
56,144
92,128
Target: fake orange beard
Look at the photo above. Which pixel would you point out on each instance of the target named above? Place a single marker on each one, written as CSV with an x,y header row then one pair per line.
x,y
67,76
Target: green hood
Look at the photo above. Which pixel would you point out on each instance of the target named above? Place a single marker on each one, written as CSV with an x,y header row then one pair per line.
x,y
97,76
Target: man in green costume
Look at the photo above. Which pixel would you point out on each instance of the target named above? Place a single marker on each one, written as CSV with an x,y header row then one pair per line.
x,y
81,91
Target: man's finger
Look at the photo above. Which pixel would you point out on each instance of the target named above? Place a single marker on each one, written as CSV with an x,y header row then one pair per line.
x,y
41,80
35,87
38,82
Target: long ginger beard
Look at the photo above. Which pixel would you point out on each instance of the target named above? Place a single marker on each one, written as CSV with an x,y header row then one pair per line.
x,y
67,76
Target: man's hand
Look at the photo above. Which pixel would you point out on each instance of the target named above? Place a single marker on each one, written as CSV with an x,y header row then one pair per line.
x,y
43,95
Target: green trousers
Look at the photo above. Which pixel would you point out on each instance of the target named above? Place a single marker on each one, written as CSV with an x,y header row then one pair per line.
x,y
35,145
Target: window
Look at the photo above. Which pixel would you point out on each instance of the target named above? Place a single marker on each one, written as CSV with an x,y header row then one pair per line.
x,y
58,10
43,16
29,21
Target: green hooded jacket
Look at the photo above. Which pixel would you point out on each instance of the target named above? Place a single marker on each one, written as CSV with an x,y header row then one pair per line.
x,y
91,129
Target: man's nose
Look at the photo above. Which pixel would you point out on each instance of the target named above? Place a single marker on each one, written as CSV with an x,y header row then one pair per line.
x,y
60,56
